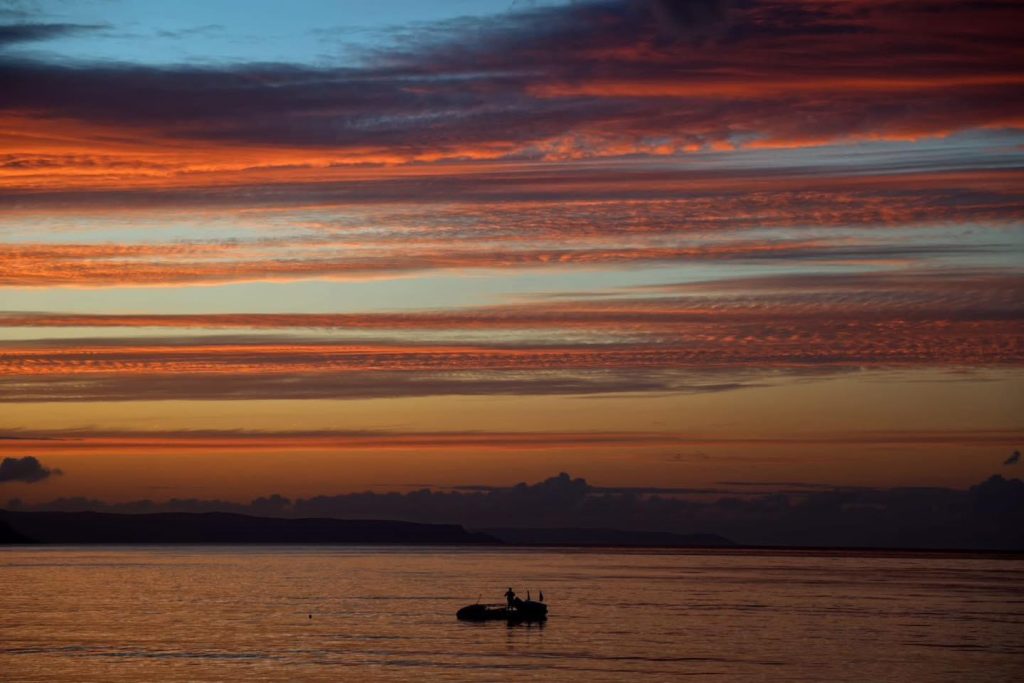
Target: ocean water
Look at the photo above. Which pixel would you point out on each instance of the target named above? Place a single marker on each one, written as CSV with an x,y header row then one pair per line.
x,y
242,614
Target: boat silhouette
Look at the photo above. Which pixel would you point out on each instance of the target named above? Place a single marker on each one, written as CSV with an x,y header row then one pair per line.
x,y
520,610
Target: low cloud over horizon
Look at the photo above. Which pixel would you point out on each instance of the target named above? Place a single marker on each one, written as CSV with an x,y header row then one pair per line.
x,y
27,470
989,515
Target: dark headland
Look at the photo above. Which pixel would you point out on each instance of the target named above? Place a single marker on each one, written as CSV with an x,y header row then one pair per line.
x,y
229,528
219,527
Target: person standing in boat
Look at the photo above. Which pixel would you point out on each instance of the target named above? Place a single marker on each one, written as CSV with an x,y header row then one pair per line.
x,y
510,596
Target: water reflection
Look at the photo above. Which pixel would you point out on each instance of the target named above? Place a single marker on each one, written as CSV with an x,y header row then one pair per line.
x,y
241,613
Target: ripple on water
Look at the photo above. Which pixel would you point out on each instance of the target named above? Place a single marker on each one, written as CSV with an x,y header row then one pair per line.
x,y
229,614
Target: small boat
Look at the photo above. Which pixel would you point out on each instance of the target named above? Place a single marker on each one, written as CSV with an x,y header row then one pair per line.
x,y
523,610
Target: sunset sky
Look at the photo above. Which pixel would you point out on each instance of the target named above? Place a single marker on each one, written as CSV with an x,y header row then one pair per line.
x,y
315,247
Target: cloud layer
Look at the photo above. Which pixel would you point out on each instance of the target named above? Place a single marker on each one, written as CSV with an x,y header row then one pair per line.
x,y
586,79
701,336
629,197
209,440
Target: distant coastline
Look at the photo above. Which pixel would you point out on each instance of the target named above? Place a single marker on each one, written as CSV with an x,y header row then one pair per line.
x,y
608,538
86,527
219,528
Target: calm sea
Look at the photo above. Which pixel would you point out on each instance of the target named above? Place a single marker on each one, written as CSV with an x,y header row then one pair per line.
x,y
230,614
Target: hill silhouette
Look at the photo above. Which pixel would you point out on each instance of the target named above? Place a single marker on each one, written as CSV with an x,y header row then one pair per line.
x,y
219,527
